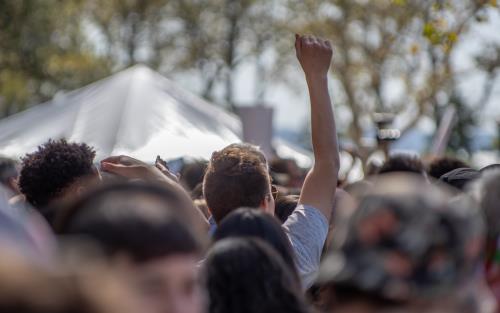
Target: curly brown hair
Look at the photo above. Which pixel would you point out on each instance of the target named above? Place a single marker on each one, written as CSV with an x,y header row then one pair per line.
x,y
236,177
53,167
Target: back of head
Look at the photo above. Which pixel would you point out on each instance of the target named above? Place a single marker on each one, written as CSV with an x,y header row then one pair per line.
x,y
236,176
246,222
256,275
192,174
407,241
284,206
440,166
359,188
49,171
487,192
285,172
490,167
25,288
142,221
403,163
249,149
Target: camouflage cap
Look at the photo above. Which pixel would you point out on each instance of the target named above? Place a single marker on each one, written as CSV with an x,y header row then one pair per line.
x,y
406,239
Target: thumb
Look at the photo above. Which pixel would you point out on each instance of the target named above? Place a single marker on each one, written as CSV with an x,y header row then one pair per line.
x,y
297,45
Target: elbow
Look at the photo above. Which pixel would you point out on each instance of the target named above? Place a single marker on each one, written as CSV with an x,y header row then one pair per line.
x,y
331,165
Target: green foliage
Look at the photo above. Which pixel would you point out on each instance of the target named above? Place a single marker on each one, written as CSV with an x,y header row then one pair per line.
x,y
49,45
376,42
42,50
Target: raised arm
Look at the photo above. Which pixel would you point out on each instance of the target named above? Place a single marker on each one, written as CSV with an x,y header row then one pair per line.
x,y
319,187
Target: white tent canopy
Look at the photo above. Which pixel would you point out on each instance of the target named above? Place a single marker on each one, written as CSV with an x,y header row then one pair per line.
x,y
135,112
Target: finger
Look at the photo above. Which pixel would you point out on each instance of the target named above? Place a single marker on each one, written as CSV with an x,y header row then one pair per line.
x,y
165,171
117,169
161,161
174,177
161,167
112,159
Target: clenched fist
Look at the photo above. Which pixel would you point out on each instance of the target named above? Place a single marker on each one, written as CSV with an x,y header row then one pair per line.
x,y
314,55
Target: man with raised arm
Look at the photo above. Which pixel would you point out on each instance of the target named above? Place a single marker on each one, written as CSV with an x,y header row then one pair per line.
x,y
307,226
237,176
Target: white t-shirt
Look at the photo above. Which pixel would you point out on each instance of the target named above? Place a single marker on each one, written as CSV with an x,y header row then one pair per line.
x,y
307,228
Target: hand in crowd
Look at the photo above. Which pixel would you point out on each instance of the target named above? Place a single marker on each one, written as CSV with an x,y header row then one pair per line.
x,y
131,168
163,167
314,55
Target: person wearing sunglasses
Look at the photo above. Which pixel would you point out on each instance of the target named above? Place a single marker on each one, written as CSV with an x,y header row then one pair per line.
x,y
238,175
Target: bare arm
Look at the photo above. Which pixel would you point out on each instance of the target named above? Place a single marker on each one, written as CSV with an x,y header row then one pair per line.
x,y
319,187
134,169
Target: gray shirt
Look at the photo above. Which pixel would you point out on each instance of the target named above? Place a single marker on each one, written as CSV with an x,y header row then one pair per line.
x,y
307,229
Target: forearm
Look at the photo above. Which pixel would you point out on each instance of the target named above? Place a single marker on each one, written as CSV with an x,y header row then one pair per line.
x,y
131,168
315,57
323,128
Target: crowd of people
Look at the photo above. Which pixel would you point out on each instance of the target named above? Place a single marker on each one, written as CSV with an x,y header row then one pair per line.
x,y
241,234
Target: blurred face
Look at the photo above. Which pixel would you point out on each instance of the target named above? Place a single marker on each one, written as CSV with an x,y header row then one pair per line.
x,y
169,285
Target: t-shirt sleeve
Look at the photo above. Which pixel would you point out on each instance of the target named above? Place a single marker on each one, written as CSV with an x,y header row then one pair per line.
x,y
307,229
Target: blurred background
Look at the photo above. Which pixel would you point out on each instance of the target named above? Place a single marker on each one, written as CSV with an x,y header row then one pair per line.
x,y
407,76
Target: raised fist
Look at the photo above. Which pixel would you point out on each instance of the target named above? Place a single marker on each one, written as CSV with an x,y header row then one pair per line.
x,y
314,54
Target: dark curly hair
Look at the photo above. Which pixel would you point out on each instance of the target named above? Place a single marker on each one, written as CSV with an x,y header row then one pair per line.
x,y
52,168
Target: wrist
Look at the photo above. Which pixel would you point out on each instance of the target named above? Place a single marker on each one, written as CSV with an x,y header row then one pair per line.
x,y
316,77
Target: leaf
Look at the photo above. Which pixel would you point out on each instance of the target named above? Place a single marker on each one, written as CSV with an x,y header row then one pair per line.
x,y
452,37
429,30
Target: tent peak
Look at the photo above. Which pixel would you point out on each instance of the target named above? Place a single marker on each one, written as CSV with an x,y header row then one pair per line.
x,y
139,67
139,72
